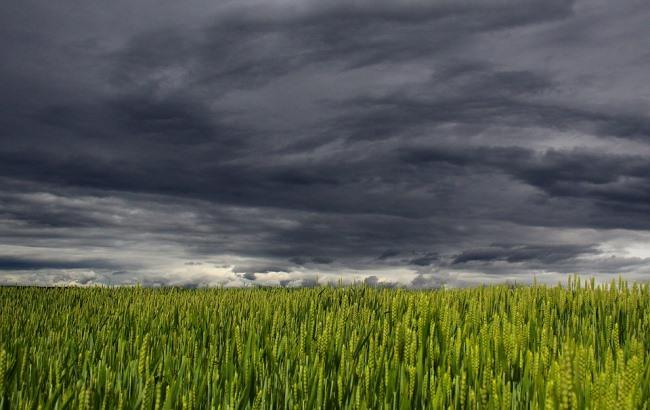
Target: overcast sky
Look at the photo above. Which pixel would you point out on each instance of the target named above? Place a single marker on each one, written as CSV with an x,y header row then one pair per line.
x,y
290,142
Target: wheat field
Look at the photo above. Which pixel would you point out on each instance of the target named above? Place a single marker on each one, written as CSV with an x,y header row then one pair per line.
x,y
494,347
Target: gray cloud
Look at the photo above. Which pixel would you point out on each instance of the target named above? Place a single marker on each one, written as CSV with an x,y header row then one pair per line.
x,y
425,260
397,143
548,254
12,263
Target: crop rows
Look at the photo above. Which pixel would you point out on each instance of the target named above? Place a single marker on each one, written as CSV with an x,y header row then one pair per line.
x,y
498,347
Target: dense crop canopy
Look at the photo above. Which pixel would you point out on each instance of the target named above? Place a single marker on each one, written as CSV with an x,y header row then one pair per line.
x,y
490,347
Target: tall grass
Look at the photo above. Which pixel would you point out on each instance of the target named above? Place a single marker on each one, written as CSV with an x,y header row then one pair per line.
x,y
578,346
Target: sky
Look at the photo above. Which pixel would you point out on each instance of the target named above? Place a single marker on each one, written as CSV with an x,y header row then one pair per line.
x,y
301,142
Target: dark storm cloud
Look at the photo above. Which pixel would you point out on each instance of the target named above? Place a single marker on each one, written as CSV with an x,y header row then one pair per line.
x,y
249,276
246,48
11,263
480,96
425,260
616,185
389,253
548,254
262,142
319,260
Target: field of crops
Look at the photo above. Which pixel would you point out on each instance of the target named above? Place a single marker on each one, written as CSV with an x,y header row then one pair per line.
x,y
577,346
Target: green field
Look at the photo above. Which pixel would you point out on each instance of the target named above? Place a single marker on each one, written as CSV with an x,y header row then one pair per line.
x,y
577,346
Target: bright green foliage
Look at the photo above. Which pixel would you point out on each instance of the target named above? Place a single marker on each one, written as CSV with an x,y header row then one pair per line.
x,y
500,347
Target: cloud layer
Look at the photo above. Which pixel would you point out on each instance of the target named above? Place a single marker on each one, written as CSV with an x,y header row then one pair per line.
x,y
291,143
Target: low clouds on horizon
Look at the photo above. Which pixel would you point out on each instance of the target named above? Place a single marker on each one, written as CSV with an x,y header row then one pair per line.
x,y
244,142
